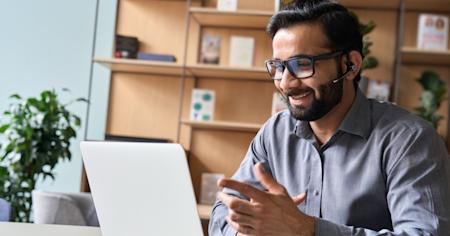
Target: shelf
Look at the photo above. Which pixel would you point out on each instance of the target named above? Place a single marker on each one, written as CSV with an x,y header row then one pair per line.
x,y
428,5
215,71
371,4
140,66
223,125
417,56
239,19
410,5
204,211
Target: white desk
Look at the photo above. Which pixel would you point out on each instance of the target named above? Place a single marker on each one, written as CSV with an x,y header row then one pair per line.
x,y
22,229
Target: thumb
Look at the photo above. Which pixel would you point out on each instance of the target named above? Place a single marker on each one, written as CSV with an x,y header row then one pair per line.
x,y
299,198
267,181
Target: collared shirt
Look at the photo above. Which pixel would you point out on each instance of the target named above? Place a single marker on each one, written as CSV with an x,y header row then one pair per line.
x,y
384,172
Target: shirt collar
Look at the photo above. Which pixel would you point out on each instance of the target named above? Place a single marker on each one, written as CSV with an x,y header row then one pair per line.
x,y
357,121
303,130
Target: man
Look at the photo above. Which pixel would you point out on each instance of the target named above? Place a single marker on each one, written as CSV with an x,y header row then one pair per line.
x,y
335,163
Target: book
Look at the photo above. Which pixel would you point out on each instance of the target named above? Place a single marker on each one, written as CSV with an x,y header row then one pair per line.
x,y
278,103
433,32
241,51
202,105
227,5
209,187
378,90
210,53
155,57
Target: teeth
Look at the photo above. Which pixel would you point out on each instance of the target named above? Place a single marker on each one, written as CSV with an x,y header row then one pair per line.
x,y
301,95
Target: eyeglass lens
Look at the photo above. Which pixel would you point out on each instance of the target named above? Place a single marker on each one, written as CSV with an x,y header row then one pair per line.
x,y
298,67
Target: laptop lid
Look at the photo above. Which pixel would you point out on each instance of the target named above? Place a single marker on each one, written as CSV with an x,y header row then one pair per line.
x,y
141,188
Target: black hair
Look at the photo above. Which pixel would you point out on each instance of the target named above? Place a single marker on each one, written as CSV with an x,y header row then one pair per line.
x,y
340,25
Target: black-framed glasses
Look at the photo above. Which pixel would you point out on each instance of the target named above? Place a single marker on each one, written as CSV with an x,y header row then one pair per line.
x,y
301,66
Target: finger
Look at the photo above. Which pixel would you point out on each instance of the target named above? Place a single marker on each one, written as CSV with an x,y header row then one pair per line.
x,y
238,205
245,189
267,181
240,228
243,219
299,198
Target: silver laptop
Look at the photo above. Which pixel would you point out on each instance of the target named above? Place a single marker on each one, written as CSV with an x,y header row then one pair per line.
x,y
141,189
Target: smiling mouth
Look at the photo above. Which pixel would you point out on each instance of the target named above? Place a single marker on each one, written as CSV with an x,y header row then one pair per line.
x,y
300,96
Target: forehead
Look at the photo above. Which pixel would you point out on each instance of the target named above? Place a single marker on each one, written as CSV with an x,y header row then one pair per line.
x,y
305,38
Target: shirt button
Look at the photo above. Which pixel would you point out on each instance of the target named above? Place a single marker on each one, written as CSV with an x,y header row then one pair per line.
x,y
316,193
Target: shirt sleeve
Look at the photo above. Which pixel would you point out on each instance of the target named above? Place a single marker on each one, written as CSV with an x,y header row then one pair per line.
x,y
256,153
417,181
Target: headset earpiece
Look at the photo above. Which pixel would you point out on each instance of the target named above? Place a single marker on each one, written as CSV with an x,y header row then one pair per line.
x,y
350,67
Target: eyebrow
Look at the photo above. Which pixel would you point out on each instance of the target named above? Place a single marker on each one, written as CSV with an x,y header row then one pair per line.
x,y
296,55
300,55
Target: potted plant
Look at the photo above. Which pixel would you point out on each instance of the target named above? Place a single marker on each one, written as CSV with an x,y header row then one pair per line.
x,y
432,96
369,62
34,138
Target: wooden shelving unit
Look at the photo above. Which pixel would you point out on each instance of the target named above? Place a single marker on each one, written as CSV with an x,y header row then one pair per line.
x,y
140,66
223,125
216,71
238,19
204,211
425,57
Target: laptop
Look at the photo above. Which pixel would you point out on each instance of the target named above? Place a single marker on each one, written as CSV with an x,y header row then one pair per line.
x,y
141,188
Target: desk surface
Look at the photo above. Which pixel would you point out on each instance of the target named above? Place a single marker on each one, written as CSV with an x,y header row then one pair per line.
x,y
22,229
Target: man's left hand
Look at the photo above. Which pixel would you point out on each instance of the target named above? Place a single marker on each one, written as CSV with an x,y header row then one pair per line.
x,y
267,213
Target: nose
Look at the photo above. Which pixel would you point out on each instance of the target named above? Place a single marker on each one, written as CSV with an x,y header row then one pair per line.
x,y
288,81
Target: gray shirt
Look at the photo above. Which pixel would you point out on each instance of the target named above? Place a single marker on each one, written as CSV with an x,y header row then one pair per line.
x,y
384,172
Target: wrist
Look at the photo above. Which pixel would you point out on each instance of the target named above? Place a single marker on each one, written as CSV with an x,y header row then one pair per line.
x,y
307,226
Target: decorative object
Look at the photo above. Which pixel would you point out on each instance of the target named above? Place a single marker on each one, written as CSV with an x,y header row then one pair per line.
x,y
432,96
378,90
227,5
202,105
126,47
210,53
35,137
241,51
433,32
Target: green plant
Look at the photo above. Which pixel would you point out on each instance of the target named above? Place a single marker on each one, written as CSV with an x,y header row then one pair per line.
x,y
35,137
369,62
431,98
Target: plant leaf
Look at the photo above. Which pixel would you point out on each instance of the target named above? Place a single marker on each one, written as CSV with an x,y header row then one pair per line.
x,y
15,96
3,128
82,100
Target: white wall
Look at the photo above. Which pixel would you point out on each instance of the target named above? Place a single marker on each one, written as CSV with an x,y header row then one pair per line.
x,y
48,44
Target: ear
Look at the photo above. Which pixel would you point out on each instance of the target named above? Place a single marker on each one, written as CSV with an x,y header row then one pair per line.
x,y
353,58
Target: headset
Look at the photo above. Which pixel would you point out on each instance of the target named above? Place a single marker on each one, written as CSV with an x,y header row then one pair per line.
x,y
350,67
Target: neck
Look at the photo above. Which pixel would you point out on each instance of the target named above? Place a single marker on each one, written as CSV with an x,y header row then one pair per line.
x,y
325,127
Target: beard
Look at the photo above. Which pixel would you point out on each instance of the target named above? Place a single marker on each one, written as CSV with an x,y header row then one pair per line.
x,y
330,95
